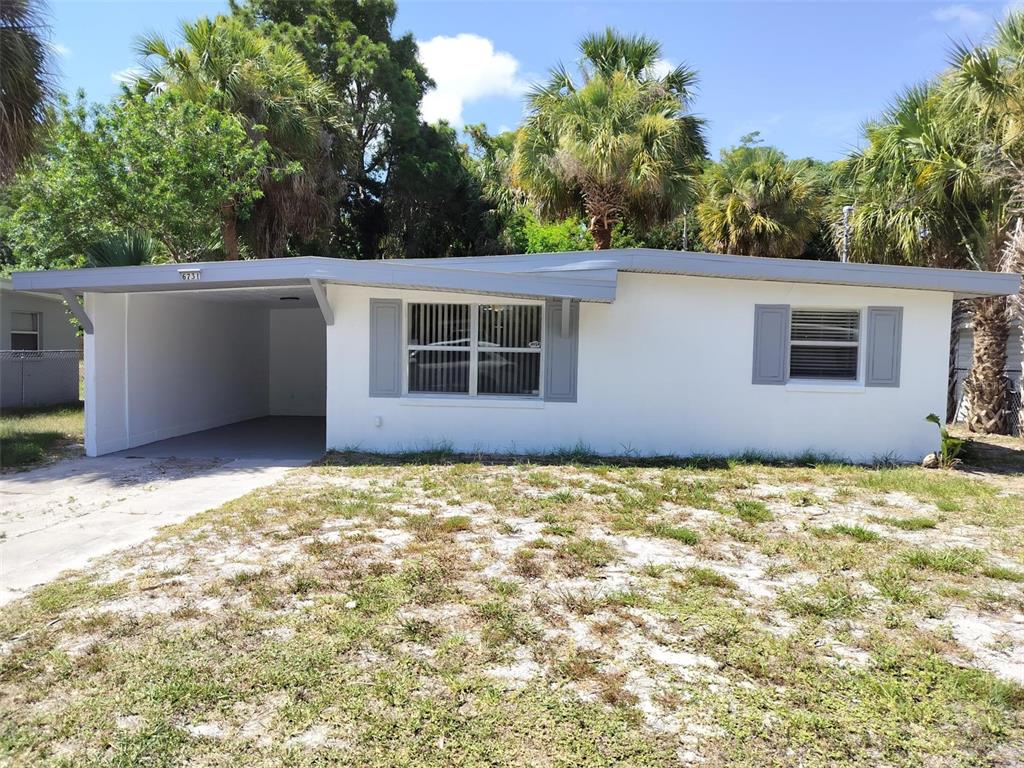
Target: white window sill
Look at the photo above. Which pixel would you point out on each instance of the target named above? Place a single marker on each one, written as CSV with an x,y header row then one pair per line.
x,y
454,401
833,387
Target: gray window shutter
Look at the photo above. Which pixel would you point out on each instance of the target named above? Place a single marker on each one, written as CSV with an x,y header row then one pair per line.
x,y
560,352
884,340
771,343
385,347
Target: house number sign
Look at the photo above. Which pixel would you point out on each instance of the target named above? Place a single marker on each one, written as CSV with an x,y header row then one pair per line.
x,y
190,274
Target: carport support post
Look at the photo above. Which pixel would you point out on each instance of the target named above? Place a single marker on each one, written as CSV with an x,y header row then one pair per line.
x,y
321,299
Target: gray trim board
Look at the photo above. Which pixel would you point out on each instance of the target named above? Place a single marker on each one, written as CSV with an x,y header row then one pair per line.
x,y
585,284
581,275
962,283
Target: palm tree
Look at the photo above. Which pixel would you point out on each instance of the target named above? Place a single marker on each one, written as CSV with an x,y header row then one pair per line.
x,y
989,81
618,143
230,66
26,80
924,195
124,249
758,203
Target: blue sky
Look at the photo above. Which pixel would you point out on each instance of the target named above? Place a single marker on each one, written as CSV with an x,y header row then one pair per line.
x,y
805,74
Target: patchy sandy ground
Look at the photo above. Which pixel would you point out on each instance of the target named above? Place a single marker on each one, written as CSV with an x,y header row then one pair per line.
x,y
58,517
570,615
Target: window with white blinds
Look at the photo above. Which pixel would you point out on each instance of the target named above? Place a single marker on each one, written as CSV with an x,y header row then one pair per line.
x,y
824,344
474,349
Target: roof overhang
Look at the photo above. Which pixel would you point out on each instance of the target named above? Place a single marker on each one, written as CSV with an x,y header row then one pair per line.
x,y
962,283
7,285
581,275
582,284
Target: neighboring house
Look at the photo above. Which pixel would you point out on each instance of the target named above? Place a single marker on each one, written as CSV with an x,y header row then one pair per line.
x,y
622,351
39,350
964,357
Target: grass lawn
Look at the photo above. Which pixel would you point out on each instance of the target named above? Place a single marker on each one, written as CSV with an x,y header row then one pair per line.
x,y
409,613
34,435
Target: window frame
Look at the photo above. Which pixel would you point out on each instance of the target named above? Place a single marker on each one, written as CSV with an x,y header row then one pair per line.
x,y
858,378
474,350
38,332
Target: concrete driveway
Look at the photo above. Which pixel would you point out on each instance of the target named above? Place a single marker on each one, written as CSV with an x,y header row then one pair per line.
x,y
59,517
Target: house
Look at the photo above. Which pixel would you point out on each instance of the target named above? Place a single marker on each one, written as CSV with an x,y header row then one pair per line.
x,y
621,351
39,350
1013,372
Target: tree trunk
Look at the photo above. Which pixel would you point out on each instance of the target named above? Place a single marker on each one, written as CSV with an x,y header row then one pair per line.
x,y
229,230
1013,261
601,229
961,311
986,385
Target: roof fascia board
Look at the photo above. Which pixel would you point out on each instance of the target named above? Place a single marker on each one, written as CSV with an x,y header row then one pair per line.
x,y
962,283
576,275
594,286
590,285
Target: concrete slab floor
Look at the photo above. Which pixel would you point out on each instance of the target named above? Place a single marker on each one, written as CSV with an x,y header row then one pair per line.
x,y
269,437
59,517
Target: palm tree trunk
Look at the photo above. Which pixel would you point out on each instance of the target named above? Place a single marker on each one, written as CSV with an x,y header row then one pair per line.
x,y
961,311
986,385
601,230
229,230
1013,261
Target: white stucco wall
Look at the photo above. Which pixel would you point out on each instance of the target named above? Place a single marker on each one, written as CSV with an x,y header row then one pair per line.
x,y
298,363
162,365
666,368
56,331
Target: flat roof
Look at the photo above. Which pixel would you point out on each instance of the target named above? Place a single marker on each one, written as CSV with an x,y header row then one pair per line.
x,y
583,275
7,285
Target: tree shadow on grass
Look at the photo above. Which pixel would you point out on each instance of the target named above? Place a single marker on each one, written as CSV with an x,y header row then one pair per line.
x,y
27,450
996,454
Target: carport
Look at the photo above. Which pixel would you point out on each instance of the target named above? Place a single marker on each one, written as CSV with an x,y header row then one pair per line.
x,y
162,364
179,365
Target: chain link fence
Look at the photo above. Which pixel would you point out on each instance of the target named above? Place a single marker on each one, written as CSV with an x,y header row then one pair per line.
x,y
47,377
1013,399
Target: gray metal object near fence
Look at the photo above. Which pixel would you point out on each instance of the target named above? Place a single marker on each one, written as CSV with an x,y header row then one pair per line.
x,y
46,377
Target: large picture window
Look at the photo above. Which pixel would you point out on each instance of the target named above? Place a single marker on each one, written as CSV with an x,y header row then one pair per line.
x,y
824,344
474,349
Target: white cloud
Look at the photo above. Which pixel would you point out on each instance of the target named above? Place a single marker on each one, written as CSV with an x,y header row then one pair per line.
x,y
962,15
60,49
126,76
662,67
465,68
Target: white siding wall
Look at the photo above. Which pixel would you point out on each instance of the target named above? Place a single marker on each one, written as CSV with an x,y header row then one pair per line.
x,y
159,366
298,363
666,368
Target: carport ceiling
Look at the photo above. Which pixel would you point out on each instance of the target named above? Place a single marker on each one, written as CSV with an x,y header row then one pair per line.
x,y
272,297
